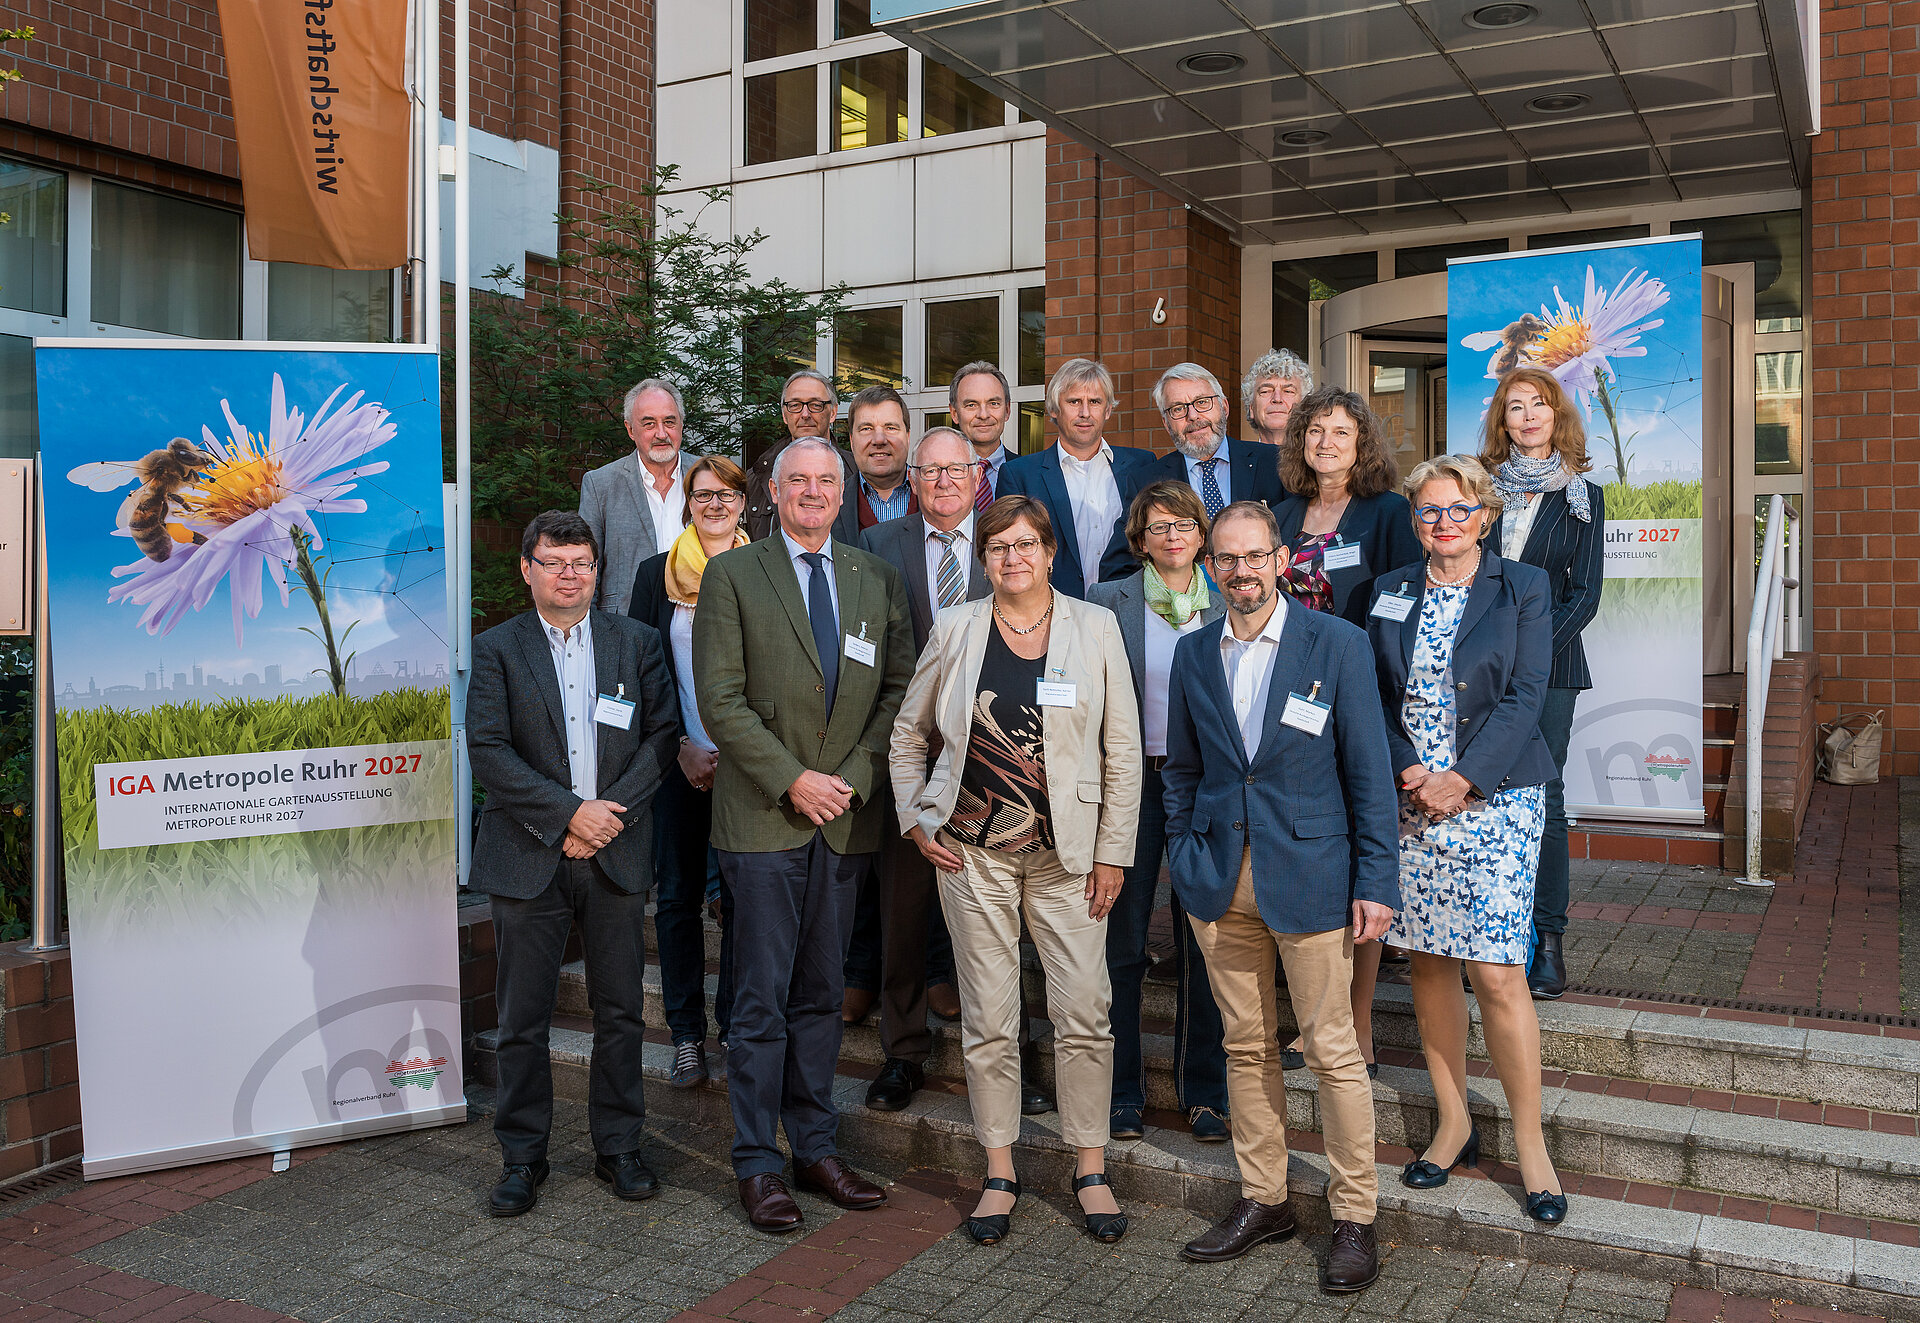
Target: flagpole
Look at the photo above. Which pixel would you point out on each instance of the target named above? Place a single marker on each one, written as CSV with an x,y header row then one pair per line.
x,y
462,430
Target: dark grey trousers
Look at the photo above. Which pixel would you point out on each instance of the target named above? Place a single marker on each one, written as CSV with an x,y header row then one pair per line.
x,y
792,917
530,937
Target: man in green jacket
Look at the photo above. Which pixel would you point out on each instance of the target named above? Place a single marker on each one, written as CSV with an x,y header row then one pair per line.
x,y
803,646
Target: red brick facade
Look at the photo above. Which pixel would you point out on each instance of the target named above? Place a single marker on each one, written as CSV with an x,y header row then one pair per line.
x,y
1863,466
39,1069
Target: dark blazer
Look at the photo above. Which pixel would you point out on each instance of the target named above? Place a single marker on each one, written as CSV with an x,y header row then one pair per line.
x,y
519,753
1381,526
1127,599
902,543
1573,555
1253,471
1039,476
1318,811
760,518
1499,672
649,603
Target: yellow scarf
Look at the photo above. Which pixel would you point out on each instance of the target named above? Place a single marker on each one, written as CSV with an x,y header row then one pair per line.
x,y
686,560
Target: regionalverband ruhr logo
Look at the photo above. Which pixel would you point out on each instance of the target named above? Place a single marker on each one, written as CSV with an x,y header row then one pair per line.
x,y
417,1070
1672,766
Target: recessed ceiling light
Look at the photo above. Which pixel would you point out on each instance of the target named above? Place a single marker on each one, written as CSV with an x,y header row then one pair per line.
x,y
1213,63
1304,137
1498,16
1558,103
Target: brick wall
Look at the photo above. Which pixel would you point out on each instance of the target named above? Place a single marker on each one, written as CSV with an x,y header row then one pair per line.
x,y
39,1071
1115,246
1788,745
1864,452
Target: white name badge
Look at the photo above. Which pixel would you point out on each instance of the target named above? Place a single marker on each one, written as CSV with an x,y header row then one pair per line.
x,y
1303,713
611,711
861,650
1345,557
1392,606
1051,693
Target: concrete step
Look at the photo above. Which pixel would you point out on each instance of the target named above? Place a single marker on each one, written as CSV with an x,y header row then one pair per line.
x,y
1170,1167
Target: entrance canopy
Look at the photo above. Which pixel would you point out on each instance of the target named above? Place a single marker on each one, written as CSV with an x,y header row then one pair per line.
x,y
1298,119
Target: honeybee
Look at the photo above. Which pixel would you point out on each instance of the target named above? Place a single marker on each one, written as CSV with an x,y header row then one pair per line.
x,y
1513,342
145,514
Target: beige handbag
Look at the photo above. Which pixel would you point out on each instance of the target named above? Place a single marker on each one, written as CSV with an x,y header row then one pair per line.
x,y
1850,757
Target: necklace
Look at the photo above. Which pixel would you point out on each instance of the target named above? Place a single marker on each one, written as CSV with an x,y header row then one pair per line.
x,y
1439,582
1030,628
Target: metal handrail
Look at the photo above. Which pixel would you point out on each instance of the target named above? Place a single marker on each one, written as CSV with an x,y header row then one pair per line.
x,y
1775,594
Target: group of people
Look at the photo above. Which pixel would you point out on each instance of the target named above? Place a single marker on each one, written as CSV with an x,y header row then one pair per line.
x,y
934,697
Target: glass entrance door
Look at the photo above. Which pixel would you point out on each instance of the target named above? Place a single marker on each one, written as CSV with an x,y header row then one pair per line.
x,y
1405,383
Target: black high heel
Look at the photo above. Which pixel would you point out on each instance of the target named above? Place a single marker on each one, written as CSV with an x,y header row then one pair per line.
x,y
1549,1209
1107,1228
1423,1175
991,1230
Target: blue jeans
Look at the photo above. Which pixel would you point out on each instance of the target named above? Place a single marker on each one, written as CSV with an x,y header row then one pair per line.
x,y
1551,883
1199,1053
682,822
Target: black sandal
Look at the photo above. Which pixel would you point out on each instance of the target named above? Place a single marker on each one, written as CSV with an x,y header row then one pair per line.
x,y
992,1230
1107,1228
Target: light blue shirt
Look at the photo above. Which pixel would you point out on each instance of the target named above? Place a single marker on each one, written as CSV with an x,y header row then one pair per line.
x,y
573,667
804,572
893,507
1221,473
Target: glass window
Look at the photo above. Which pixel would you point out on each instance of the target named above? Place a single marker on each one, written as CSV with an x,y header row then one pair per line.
x,y
1298,284
1426,261
1033,336
1033,427
780,27
19,425
1778,404
165,264
871,101
935,418
33,242
316,303
960,332
852,19
951,104
866,347
1576,238
780,116
1772,243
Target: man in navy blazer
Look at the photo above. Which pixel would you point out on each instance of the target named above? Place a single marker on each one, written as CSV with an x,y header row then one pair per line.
x,y
1282,838
1085,483
1195,411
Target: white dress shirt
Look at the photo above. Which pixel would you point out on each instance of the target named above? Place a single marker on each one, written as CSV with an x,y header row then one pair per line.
x,y
963,551
804,572
1159,659
573,667
682,640
666,510
1518,525
1094,494
1221,473
1249,668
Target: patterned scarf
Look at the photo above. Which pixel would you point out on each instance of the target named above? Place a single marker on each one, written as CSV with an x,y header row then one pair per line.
x,y
686,561
1176,608
1520,475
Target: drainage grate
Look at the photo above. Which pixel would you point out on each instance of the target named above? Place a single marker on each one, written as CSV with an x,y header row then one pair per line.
x,y
64,1174
1754,1007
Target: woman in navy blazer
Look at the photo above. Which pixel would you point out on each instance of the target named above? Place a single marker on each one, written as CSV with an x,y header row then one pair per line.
x,y
1461,642
1536,449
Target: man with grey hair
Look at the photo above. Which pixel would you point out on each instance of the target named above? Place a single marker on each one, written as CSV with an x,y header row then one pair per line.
x,y
1085,483
1221,470
634,504
808,406
980,404
1277,381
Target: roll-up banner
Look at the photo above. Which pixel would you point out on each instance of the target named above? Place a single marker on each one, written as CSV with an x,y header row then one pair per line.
x,y
1619,326
247,586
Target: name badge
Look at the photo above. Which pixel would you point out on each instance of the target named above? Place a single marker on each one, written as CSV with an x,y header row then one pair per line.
x,y
861,649
611,710
1054,693
1392,606
1344,557
1304,713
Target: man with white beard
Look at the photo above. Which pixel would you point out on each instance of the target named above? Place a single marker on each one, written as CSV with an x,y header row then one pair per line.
x,y
1222,471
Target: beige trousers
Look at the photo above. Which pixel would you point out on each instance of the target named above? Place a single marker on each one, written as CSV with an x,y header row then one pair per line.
x,y
1239,950
983,904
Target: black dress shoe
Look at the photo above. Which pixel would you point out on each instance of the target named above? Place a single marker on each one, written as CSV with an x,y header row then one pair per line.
x,y
1547,975
1126,1123
1353,1260
1550,1209
1249,1224
992,1229
628,1174
519,1188
1107,1228
893,1088
1423,1175
1034,1100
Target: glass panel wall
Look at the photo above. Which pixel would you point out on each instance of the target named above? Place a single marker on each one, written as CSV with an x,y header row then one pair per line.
x,y
870,100
951,104
165,264
1298,285
33,242
780,27
1033,336
1772,243
781,121
19,430
867,347
315,303
1779,399
960,332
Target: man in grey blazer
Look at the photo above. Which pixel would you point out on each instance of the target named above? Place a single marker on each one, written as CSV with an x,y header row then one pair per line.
x,y
636,505
571,723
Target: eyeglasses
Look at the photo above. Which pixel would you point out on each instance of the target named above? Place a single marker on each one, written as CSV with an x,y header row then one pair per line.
x,y
1253,560
560,569
726,496
1202,407
1026,548
935,472
1166,526
1458,512
807,406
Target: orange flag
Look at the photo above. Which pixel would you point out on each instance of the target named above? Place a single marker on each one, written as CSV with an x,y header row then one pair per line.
x,y
321,113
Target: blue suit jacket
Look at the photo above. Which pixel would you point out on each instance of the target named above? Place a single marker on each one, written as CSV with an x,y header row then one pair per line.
x,y
1381,526
1039,476
1318,811
1573,555
1253,471
1500,654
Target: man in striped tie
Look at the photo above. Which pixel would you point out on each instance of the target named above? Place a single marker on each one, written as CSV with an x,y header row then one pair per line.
x,y
980,405
1223,471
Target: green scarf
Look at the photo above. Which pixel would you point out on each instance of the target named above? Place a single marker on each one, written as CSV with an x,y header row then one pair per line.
x,y
1176,608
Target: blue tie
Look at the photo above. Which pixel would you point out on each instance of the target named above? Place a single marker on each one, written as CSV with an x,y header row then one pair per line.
x,y
1210,489
826,630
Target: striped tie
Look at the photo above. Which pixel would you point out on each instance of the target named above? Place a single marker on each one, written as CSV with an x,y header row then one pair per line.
x,y
983,494
1210,489
951,581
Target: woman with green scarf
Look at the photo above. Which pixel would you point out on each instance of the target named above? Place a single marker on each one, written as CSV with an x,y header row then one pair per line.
x,y
1169,597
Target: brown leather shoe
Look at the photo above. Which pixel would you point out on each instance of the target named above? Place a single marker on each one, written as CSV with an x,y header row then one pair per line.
x,y
768,1204
1353,1260
943,1001
1249,1224
856,1005
837,1181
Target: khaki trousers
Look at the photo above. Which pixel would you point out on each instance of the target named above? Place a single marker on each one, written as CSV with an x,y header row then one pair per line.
x,y
1239,950
983,904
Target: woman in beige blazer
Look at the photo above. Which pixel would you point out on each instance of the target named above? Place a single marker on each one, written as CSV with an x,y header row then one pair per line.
x,y
1030,810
